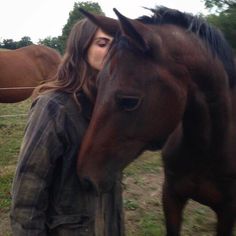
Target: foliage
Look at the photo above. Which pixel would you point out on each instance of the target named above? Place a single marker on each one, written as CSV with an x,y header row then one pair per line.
x,y
227,23
25,41
53,42
60,41
225,19
219,4
75,15
10,44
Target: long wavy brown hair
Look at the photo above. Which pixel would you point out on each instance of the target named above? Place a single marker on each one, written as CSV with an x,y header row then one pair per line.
x,y
74,73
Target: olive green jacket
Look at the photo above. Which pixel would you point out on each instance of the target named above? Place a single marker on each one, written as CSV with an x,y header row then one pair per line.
x,y
47,198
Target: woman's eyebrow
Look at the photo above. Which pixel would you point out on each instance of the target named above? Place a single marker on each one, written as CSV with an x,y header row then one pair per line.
x,y
105,38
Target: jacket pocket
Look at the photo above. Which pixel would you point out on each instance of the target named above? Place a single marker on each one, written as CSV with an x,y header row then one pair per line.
x,y
76,225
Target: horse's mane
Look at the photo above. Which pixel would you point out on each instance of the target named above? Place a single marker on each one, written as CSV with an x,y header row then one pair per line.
x,y
213,37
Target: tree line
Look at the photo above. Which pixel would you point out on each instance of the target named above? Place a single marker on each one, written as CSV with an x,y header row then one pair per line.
x,y
224,18
58,42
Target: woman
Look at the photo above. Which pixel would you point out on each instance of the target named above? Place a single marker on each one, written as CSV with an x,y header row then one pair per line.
x,y
47,198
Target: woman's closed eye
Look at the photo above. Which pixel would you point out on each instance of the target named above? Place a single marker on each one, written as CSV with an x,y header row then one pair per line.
x,y
103,42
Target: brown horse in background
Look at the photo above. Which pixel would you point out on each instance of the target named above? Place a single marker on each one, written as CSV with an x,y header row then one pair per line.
x,y
169,83
23,69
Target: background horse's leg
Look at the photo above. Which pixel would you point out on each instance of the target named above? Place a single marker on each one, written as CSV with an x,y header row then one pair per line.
x,y
225,222
173,207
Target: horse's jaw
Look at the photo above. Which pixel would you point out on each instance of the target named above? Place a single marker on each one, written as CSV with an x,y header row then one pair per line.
x,y
155,145
98,170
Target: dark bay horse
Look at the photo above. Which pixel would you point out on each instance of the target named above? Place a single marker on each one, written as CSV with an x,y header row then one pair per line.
x,y
169,83
23,69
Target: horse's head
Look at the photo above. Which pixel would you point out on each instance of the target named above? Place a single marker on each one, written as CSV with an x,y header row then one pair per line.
x,y
139,103
142,96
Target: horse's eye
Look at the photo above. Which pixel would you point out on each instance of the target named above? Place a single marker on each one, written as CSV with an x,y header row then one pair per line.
x,y
128,103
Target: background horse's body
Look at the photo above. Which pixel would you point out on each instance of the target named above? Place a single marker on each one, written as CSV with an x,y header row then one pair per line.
x,y
23,69
170,83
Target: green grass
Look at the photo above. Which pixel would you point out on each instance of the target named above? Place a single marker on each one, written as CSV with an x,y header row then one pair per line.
x,y
12,124
11,134
143,206
131,204
142,185
5,197
151,163
150,226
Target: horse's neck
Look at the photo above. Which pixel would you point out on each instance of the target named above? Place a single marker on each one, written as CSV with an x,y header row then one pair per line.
x,y
199,143
233,106
206,122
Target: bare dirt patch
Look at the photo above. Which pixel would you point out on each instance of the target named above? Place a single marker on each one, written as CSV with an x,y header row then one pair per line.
x,y
4,224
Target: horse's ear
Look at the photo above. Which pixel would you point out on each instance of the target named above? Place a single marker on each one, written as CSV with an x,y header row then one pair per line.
x,y
133,29
107,24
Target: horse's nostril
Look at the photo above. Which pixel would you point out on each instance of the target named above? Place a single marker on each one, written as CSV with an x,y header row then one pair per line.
x,y
88,185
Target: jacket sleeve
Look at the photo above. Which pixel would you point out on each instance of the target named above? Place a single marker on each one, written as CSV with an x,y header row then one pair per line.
x,y
43,143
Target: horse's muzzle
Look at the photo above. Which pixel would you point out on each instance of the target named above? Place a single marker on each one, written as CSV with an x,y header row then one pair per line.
x,y
89,186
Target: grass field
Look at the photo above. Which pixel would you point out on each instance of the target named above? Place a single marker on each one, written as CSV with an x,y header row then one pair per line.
x,y
142,185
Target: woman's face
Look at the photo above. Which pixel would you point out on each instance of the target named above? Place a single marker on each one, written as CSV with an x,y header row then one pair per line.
x,y
98,49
